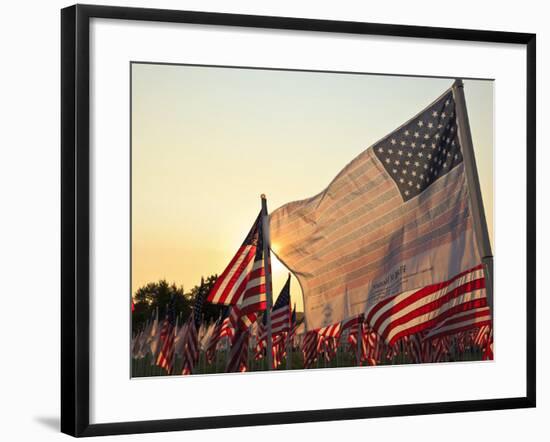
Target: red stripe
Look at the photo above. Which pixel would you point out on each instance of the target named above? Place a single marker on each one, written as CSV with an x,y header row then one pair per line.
x,y
460,329
463,318
425,291
224,274
435,304
234,277
470,305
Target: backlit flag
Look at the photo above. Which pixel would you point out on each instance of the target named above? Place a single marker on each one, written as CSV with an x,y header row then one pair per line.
x,y
392,235
216,335
243,283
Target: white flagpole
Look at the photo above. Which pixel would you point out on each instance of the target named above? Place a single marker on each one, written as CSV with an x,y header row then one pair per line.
x,y
470,169
267,268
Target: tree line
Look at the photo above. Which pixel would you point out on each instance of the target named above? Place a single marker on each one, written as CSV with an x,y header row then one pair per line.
x,y
158,295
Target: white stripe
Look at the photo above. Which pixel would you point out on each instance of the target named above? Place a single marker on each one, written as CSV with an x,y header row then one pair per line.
x,y
222,287
470,322
478,274
444,325
466,297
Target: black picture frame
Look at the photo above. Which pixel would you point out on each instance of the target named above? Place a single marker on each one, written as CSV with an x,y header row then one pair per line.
x,y
75,211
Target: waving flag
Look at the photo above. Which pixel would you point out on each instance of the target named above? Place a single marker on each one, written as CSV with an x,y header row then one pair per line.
x,y
243,281
392,235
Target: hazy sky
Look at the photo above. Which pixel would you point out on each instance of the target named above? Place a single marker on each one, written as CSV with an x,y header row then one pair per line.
x,y
206,142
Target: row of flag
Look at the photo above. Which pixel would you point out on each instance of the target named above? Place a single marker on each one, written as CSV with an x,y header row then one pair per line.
x,y
389,255
163,342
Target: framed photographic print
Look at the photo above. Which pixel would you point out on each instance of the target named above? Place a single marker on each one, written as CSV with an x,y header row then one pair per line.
x,y
269,204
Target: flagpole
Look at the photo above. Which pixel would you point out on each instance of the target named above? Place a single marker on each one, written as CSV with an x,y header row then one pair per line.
x,y
478,212
268,294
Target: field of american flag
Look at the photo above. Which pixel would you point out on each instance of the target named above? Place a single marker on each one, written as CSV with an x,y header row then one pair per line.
x,y
392,258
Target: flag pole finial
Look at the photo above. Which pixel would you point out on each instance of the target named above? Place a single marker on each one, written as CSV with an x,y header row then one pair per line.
x,y
262,196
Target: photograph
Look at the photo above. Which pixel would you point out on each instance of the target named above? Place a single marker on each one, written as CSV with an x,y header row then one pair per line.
x,y
296,219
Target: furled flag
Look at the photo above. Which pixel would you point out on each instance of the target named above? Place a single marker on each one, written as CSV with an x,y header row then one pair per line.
x,y
310,348
167,335
237,360
191,349
243,282
392,235
215,336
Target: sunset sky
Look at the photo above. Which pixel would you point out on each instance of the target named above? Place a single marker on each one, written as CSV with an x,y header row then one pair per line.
x,y
206,142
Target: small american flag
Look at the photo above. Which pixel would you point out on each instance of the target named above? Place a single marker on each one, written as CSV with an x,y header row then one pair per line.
x,y
167,336
238,355
309,348
216,335
191,349
280,322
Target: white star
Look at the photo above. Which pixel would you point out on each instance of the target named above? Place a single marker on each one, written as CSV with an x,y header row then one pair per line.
x,y
416,163
420,154
421,176
388,160
406,192
402,143
447,103
394,171
396,162
425,166
390,151
414,173
407,163
444,164
430,125
433,145
434,114
420,123
413,145
456,156
418,186
416,134
404,171
429,156
401,180
399,152
436,136
406,132
423,145
392,141
410,183
443,114
380,150
426,136
409,154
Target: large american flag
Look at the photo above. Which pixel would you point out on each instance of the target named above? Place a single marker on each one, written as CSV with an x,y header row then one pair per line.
x,y
243,281
392,235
